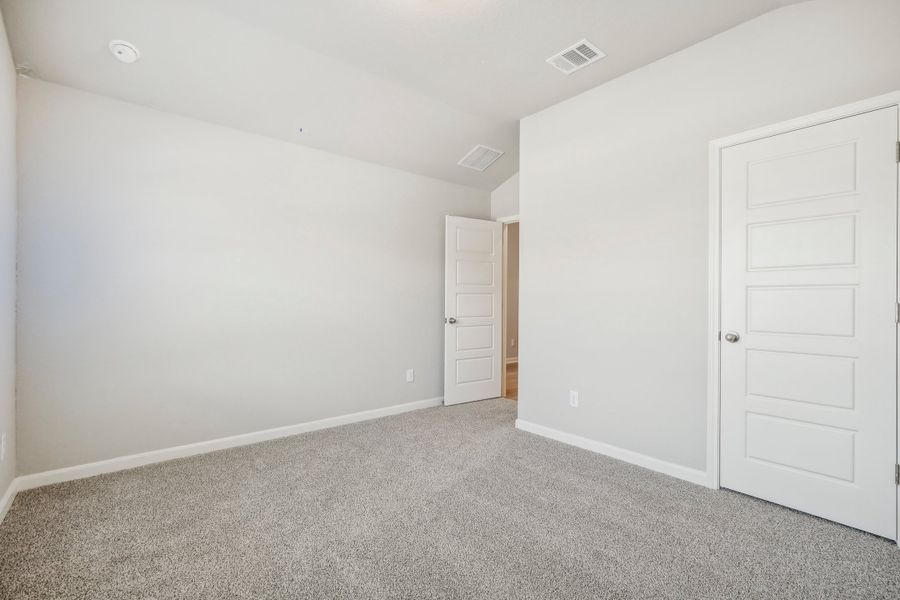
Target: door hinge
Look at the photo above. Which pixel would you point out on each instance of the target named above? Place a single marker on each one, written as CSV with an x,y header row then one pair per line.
x,y
720,333
897,474
898,152
897,313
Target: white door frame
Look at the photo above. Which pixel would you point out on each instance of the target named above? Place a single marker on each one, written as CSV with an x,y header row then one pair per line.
x,y
505,221
713,425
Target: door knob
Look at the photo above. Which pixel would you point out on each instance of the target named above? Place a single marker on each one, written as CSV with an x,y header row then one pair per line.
x,y
732,337
451,320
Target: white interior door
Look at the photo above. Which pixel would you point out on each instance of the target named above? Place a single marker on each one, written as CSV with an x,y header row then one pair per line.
x,y
809,334
472,310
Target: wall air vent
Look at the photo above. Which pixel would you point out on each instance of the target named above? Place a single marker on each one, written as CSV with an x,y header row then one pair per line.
x,y
480,158
576,57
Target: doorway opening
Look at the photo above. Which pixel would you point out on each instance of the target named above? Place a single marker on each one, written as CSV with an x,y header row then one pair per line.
x,y
481,306
510,356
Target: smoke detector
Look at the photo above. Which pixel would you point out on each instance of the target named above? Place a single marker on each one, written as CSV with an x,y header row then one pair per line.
x,y
125,52
480,158
577,56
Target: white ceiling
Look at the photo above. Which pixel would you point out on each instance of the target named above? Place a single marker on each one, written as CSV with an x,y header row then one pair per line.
x,y
411,84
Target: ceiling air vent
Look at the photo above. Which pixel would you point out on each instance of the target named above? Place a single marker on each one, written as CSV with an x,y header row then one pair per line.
x,y
576,57
480,158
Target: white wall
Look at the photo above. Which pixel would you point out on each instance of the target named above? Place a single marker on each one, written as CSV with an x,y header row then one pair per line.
x,y
614,206
505,199
7,260
180,281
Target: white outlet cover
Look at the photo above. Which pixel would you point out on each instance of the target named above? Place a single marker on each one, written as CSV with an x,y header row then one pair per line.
x,y
410,375
573,398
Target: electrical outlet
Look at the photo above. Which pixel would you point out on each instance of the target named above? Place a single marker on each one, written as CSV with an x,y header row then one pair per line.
x,y
410,375
573,398
2,447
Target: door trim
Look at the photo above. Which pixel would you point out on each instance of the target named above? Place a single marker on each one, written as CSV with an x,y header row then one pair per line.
x,y
713,424
504,360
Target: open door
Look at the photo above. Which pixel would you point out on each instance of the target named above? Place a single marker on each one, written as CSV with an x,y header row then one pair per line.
x,y
472,310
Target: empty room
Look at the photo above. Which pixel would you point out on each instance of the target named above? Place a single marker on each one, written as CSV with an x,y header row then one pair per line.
x,y
433,299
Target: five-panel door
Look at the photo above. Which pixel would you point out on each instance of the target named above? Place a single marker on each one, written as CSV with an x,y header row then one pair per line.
x,y
809,299
472,309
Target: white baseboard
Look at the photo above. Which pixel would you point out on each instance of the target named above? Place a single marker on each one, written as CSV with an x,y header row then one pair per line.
x,y
8,497
636,458
27,482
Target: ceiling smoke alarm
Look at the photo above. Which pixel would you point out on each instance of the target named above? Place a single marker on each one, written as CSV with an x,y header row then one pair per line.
x,y
124,51
577,56
480,158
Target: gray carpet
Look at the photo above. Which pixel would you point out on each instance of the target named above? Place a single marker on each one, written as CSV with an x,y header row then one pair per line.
x,y
439,503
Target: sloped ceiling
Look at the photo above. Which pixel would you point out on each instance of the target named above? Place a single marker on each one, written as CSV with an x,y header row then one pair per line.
x,y
410,84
